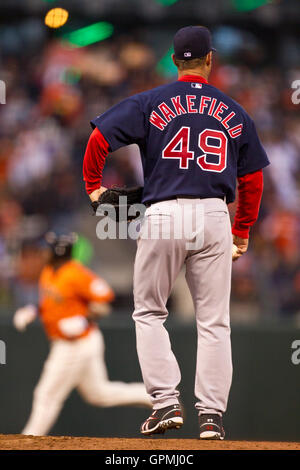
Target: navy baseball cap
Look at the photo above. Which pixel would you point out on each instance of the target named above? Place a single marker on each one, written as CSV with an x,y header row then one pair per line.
x,y
192,42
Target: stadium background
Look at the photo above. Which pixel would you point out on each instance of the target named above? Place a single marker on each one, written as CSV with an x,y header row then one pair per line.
x,y
54,86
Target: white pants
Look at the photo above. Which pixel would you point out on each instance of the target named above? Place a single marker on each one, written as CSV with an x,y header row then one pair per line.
x,y
208,274
78,364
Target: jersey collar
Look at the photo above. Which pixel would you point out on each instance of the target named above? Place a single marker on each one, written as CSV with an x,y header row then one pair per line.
x,y
192,78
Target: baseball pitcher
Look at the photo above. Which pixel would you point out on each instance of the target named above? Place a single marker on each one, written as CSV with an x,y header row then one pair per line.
x,y
71,298
195,143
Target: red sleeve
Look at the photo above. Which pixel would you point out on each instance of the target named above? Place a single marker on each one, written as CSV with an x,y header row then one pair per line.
x,y
96,152
250,188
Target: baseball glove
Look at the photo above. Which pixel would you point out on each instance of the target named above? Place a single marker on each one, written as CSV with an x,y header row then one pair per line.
x,y
110,198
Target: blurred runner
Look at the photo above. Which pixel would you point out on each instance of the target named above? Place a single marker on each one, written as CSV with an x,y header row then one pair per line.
x,y
71,298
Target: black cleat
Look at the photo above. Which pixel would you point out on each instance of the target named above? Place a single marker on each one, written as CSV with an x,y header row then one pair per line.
x,y
169,417
211,427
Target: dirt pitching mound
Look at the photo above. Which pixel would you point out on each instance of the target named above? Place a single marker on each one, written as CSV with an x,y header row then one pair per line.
x,y
17,442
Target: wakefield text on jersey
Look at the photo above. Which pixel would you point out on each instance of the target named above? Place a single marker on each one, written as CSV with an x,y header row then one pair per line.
x,y
194,140
191,104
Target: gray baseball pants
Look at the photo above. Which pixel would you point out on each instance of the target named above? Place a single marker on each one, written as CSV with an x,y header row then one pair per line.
x,y
205,248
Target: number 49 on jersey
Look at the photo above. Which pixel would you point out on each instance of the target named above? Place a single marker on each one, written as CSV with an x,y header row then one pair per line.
x,y
178,148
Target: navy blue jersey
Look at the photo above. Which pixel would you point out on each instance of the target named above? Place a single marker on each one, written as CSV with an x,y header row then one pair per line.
x,y
194,140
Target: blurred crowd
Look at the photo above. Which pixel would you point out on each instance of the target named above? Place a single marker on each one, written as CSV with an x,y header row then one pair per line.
x,y
44,127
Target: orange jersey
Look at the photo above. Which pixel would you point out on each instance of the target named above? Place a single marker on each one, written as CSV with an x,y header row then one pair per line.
x,y
65,293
